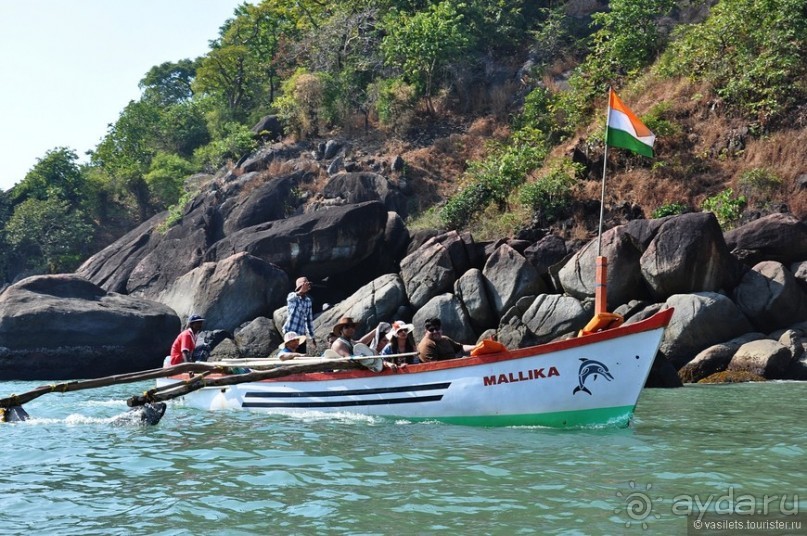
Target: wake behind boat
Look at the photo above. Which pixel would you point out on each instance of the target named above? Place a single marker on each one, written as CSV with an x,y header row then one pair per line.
x,y
593,379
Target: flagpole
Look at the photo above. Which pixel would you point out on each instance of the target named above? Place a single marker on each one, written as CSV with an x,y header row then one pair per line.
x,y
601,268
604,166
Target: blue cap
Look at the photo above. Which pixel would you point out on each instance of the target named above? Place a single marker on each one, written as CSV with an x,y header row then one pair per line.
x,y
195,318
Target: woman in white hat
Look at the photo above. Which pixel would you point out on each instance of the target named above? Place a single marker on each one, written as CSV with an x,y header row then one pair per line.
x,y
288,348
401,342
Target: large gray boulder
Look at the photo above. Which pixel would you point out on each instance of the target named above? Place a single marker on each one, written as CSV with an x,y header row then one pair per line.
x,y
764,357
228,293
64,327
429,271
269,127
553,315
714,359
700,320
512,331
180,249
508,277
546,252
111,267
267,202
688,255
776,237
470,291
771,297
375,302
317,244
258,338
455,322
622,246
357,187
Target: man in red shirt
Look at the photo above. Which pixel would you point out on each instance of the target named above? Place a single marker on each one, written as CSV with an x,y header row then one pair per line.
x,y
185,343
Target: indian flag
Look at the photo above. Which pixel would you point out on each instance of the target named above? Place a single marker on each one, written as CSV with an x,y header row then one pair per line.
x,y
625,130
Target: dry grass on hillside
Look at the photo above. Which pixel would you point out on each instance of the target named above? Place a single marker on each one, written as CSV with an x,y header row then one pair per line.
x,y
709,152
704,151
435,169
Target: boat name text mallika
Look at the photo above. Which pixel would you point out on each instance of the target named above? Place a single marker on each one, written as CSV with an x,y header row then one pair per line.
x,y
521,376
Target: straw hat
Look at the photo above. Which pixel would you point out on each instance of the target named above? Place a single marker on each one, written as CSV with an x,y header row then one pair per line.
x,y
291,336
343,322
397,326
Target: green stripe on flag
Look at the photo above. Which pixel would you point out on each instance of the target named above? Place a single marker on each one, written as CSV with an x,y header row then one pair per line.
x,y
620,138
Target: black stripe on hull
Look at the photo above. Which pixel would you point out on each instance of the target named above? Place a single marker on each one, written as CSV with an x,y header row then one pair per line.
x,y
349,392
343,403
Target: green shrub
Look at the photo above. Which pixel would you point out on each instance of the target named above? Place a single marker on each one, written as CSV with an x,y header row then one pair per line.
x,y
176,211
237,140
494,178
660,126
726,208
761,183
550,194
394,102
166,176
670,209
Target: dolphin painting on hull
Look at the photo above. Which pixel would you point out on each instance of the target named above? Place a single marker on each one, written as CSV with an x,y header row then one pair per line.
x,y
589,367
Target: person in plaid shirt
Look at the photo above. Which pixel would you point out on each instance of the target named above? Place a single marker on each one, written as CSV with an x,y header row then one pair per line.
x,y
301,313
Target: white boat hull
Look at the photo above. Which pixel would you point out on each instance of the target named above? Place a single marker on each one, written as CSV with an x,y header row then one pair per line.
x,y
591,380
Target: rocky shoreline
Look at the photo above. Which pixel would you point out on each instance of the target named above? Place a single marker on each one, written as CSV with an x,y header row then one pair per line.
x,y
740,297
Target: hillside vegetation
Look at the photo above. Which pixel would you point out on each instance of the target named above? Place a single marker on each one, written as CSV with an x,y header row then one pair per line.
x,y
497,107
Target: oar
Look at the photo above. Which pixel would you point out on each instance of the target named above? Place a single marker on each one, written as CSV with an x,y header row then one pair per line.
x,y
11,407
175,390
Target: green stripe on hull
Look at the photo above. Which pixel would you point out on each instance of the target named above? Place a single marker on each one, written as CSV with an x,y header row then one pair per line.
x,y
617,417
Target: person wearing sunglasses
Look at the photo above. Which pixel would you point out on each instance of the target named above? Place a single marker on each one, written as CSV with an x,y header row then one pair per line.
x,y
435,346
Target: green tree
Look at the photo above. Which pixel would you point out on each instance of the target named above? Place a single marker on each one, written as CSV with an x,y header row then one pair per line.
x,y
242,69
626,40
421,43
55,176
50,234
169,83
231,143
166,177
308,100
752,52
126,151
346,47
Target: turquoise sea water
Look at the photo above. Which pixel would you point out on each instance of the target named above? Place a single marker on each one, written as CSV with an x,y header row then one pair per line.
x,y
75,469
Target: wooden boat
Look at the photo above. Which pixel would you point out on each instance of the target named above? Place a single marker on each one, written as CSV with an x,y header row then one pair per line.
x,y
591,380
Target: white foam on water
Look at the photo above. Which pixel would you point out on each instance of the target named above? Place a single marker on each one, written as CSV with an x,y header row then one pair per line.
x,y
106,403
342,416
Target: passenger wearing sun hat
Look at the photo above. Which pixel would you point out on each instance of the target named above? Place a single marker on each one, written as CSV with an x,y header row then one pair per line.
x,y
185,343
288,348
401,342
345,330
300,309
